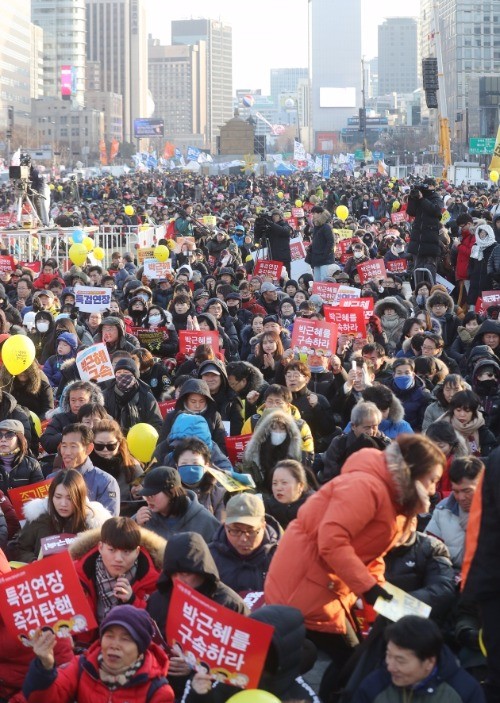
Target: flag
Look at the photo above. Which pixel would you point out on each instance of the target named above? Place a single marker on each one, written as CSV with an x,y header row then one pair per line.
x,y
178,153
103,155
16,158
113,149
192,153
299,152
326,166
495,159
168,150
152,161
318,164
382,168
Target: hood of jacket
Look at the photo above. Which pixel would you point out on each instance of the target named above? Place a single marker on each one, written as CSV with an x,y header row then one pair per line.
x,y
262,432
33,375
209,319
113,321
396,410
440,296
491,326
7,404
285,653
322,218
150,541
187,424
37,507
194,385
187,552
96,396
481,365
391,302
212,301
224,388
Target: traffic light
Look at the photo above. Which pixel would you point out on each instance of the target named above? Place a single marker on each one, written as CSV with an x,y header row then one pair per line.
x,y
430,81
362,119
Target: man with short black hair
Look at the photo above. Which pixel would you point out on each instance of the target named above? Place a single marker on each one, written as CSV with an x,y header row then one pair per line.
x,y
419,666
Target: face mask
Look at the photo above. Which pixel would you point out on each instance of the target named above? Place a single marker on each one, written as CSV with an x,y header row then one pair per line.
x,y
233,310
42,326
403,382
358,254
317,369
191,473
421,299
277,437
125,381
487,387
155,319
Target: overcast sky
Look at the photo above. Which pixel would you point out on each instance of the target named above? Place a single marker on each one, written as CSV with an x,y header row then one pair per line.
x,y
269,33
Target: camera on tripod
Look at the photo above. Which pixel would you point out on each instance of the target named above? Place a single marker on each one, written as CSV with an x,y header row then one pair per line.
x,y
21,172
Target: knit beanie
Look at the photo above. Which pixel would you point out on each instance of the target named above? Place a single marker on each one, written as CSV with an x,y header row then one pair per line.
x,y
135,620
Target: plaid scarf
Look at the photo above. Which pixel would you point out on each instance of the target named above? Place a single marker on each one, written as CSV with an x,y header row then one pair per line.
x,y
105,584
114,681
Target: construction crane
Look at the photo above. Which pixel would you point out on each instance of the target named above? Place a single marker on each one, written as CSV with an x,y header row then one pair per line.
x,y
444,135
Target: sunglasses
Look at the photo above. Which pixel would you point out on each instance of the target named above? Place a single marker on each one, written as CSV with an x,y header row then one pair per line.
x,y
7,435
110,446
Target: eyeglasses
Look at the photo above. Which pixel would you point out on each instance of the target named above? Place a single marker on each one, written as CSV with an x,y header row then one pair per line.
x,y
247,534
7,435
110,446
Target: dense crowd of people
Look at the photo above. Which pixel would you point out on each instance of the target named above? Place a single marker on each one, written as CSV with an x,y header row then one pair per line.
x,y
361,467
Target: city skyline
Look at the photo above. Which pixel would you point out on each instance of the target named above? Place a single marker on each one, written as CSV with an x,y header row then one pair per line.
x,y
273,34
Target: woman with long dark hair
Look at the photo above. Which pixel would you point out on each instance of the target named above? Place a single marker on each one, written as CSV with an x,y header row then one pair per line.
x,y
111,454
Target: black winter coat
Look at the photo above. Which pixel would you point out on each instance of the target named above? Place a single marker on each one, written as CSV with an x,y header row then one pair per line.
x,y
51,438
424,237
25,470
10,409
40,402
479,277
321,250
279,241
147,407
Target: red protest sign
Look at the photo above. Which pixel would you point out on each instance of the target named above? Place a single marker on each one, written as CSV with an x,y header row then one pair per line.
x,y
343,247
313,334
23,494
55,544
268,267
236,447
374,268
366,304
232,646
190,339
397,266
348,321
166,406
398,217
490,297
35,266
7,264
297,249
297,212
328,291
45,593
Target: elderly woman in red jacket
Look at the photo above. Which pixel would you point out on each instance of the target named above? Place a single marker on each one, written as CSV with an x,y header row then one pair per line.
x,y
343,531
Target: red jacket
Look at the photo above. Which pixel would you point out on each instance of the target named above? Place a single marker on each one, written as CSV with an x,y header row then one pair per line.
x,y
463,255
80,681
341,533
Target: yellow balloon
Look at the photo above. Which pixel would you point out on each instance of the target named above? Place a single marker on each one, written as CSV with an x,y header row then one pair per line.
x,y
396,205
59,188
99,253
390,185
161,252
129,210
342,212
298,203
51,186
141,441
253,695
37,423
18,353
88,243
280,195
78,254
494,176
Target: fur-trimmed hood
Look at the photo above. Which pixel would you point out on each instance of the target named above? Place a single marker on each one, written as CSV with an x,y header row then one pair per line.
x,y
440,297
262,432
97,514
322,218
150,541
33,375
396,411
391,302
96,396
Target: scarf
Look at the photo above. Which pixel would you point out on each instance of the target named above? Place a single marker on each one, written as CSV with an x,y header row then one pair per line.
x,y
477,251
391,323
105,584
113,681
7,460
128,403
470,432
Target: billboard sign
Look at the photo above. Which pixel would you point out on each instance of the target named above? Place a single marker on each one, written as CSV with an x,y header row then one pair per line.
x,y
148,127
66,82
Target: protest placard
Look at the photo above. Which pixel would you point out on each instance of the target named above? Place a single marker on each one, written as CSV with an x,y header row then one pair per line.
x,y
347,293
232,646
298,212
7,263
344,233
490,297
94,364
180,241
145,253
154,269
397,266
350,321
297,248
398,217
445,282
316,335
327,291
366,304
23,494
190,339
55,544
343,249
236,446
268,267
90,299
228,482
401,604
372,269
45,593
151,338
35,266
209,220
166,406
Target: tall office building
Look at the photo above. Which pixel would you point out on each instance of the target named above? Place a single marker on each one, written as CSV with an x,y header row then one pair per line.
x,y
63,24
286,80
178,84
219,41
469,34
334,62
398,55
15,41
117,38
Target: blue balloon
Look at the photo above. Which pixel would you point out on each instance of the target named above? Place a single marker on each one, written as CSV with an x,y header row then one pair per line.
x,y
77,236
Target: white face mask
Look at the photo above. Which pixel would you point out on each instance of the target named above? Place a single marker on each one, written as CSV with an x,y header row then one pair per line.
x,y
42,326
155,319
358,254
277,437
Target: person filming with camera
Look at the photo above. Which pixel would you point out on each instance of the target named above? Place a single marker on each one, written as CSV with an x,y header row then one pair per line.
x,y
426,206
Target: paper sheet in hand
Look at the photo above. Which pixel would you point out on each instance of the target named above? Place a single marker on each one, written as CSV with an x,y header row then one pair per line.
x,y
402,604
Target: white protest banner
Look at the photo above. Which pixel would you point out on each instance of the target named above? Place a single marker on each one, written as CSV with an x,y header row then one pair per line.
x,y
154,269
90,299
94,364
401,604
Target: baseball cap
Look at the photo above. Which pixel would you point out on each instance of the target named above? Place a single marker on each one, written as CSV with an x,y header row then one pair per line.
x,y
158,480
267,287
210,368
245,508
12,426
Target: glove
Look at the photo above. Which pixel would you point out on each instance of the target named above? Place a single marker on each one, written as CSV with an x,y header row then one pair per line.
x,y
376,592
245,479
